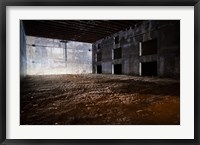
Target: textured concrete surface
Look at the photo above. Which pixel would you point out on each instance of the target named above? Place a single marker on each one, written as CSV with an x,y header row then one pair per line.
x,y
167,34
79,58
99,99
23,59
50,56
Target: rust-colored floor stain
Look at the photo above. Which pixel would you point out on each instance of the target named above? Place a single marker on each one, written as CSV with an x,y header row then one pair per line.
x,y
99,100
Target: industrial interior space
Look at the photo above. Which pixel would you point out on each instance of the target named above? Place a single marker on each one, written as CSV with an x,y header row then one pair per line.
x,y
99,72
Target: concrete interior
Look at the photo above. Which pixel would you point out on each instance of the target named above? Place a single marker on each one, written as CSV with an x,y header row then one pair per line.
x,y
99,72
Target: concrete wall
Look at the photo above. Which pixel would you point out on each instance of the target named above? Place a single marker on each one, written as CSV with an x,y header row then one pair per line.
x,y
23,66
50,56
79,57
167,34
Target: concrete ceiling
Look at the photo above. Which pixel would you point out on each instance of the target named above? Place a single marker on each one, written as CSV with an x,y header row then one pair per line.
x,y
76,30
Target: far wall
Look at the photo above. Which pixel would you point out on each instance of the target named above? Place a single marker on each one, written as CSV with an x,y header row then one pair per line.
x,y
49,56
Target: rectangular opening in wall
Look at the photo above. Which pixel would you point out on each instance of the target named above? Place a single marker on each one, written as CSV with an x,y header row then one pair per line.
x,y
118,53
98,57
117,68
99,69
149,47
149,68
98,46
117,40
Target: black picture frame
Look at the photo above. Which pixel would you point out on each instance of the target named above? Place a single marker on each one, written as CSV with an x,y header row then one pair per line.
x,y
5,3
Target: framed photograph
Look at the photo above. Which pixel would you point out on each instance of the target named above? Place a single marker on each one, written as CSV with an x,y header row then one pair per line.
x,y
99,72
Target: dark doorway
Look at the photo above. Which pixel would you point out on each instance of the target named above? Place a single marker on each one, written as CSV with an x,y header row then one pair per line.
x,y
99,69
117,69
149,68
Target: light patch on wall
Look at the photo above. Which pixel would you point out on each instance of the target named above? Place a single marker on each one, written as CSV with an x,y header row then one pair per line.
x,y
79,58
45,59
